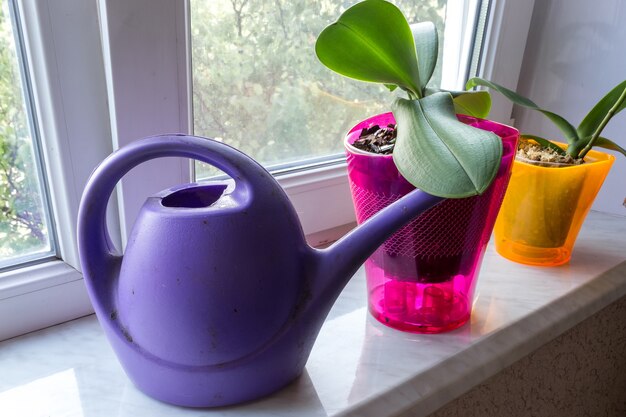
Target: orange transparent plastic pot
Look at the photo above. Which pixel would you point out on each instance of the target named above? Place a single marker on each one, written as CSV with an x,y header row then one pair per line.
x,y
545,206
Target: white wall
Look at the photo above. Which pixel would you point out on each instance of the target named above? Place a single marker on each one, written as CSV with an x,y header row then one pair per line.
x,y
576,53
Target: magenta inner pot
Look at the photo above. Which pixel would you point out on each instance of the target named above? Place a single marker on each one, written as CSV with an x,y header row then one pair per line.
x,y
422,279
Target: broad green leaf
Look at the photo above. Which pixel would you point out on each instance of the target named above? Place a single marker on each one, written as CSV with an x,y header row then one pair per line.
x,y
391,87
473,103
440,155
371,41
426,47
545,143
568,130
594,118
478,104
429,91
605,143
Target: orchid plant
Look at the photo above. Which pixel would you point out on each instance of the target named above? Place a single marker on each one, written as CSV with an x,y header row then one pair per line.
x,y
579,139
372,41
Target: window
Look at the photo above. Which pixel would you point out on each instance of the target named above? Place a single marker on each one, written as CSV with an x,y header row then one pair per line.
x,y
25,227
61,53
257,84
106,72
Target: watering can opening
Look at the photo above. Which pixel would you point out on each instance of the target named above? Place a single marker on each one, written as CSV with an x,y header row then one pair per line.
x,y
195,197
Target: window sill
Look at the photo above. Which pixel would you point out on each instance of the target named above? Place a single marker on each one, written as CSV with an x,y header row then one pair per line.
x,y
39,296
358,366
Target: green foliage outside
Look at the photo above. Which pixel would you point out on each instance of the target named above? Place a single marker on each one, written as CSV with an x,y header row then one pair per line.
x,y
22,227
258,86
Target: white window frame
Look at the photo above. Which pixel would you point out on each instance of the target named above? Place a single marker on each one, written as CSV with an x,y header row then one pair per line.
x,y
90,101
62,47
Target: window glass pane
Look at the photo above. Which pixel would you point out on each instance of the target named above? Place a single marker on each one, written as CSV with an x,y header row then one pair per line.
x,y
24,224
258,86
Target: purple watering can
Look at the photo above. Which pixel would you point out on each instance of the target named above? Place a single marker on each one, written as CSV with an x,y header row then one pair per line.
x,y
218,298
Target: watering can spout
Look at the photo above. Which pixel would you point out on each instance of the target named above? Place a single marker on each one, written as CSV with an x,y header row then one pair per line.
x,y
339,262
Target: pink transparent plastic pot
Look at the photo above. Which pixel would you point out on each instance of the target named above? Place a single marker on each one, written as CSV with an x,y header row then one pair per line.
x,y
422,278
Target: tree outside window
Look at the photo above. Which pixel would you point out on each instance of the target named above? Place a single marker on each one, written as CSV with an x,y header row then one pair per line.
x,y
23,226
258,86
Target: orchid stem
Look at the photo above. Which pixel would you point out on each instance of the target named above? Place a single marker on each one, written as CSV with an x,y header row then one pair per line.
x,y
602,125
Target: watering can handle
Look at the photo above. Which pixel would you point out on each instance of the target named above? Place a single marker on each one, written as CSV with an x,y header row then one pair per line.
x,y
97,253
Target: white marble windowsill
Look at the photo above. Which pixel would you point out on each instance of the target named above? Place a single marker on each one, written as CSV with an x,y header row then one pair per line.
x,y
358,367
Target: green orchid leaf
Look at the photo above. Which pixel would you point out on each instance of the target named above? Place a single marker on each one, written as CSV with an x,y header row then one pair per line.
x,y
594,118
371,41
477,104
391,87
568,130
473,103
545,143
429,91
440,155
609,144
426,47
